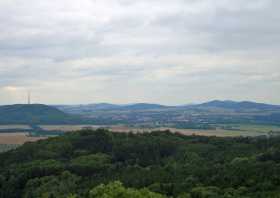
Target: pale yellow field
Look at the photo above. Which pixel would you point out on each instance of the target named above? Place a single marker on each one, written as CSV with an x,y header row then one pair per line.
x,y
17,138
20,138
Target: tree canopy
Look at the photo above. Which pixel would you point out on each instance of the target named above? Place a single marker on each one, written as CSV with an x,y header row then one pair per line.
x,y
102,164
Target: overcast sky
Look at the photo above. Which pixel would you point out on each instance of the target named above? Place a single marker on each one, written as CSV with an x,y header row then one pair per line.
x,y
127,51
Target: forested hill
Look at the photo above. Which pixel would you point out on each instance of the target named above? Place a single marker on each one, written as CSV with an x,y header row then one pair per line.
x,y
226,105
35,114
101,164
244,105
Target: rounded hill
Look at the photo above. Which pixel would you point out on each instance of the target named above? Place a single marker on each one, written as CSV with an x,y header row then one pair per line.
x,y
34,114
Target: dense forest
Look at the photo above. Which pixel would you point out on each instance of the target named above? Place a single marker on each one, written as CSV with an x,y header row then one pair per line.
x,y
102,164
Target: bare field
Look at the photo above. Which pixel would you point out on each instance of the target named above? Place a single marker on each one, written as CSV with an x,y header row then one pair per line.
x,y
17,138
218,132
241,130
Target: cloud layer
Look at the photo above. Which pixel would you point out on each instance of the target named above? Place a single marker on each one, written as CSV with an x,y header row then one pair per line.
x,y
123,51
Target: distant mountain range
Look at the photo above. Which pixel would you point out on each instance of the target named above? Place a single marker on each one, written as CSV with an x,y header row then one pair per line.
x,y
228,104
105,113
232,105
110,107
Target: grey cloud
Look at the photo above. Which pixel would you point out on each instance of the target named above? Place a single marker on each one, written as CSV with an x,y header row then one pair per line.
x,y
227,29
166,50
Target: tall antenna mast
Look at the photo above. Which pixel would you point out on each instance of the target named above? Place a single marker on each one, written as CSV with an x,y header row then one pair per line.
x,y
28,98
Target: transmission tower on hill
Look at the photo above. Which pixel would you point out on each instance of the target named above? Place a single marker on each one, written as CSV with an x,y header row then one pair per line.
x,y
28,98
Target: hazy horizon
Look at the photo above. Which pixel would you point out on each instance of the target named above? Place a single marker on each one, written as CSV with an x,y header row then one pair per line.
x,y
131,103
122,51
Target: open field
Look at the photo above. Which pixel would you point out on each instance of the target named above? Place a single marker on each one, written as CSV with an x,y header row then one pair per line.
x,y
258,128
17,138
235,130
69,128
20,137
217,132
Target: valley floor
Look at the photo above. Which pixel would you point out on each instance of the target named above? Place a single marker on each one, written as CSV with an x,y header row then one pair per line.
x,y
20,137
